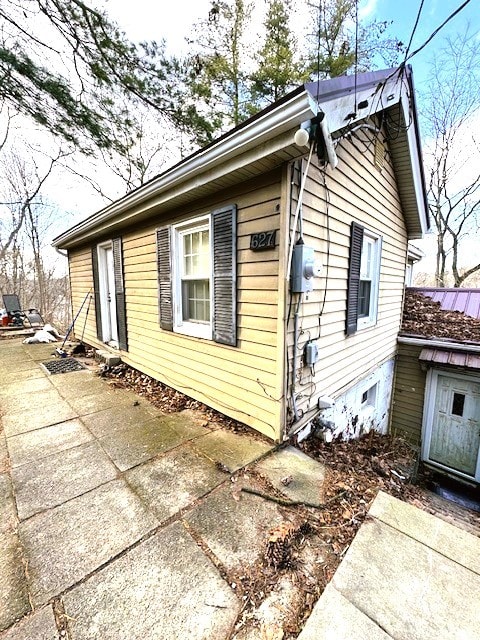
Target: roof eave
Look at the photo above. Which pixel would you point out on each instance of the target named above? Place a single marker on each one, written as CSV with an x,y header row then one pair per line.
x,y
255,135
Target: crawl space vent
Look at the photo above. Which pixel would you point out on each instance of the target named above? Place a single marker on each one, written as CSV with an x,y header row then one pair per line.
x,y
63,365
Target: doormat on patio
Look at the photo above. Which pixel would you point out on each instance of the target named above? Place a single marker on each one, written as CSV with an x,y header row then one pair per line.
x,y
63,365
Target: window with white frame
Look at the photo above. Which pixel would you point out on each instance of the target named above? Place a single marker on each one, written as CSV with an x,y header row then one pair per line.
x,y
193,270
363,279
197,276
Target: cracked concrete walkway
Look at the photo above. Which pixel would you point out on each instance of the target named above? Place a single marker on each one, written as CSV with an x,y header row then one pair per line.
x,y
118,521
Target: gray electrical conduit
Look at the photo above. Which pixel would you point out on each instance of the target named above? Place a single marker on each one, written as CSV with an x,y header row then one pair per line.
x,y
297,211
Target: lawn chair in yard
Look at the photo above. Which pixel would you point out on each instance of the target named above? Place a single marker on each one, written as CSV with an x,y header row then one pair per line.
x,y
19,317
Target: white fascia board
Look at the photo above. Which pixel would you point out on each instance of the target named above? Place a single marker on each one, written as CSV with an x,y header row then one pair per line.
x,y
383,96
440,344
416,161
339,109
201,168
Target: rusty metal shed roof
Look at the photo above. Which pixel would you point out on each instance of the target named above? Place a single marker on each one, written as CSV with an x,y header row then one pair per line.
x,y
465,300
464,360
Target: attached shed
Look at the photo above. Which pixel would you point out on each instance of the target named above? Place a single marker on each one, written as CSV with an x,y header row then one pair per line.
x,y
437,381
264,275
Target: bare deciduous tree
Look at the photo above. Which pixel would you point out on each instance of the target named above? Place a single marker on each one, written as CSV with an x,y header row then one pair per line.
x,y
452,103
24,227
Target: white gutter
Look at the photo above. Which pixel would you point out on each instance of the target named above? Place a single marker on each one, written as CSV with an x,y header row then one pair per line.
x,y
199,167
440,344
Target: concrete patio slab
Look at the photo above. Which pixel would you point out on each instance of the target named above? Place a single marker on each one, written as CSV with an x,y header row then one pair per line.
x,y
41,351
406,588
167,583
49,482
67,543
34,445
40,625
8,518
69,384
24,402
17,376
450,541
28,386
103,398
174,481
302,476
230,449
130,447
109,421
14,602
335,618
42,416
18,365
4,459
235,530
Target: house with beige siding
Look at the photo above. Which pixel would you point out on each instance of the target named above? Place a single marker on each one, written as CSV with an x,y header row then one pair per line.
x,y
437,381
264,274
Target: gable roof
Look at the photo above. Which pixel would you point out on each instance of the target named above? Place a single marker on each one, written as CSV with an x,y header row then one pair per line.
x,y
266,141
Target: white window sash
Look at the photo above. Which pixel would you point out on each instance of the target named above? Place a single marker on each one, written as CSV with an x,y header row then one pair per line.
x,y
373,275
191,328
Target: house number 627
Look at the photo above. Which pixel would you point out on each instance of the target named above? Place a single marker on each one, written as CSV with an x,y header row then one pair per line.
x,y
262,240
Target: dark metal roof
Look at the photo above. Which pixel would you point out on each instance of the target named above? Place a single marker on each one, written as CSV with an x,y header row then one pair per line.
x,y
465,300
344,85
464,360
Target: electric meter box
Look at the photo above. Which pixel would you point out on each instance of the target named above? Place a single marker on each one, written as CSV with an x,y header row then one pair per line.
x,y
312,353
303,269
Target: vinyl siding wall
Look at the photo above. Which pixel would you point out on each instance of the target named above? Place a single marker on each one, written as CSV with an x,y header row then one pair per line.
x,y
409,394
243,382
355,191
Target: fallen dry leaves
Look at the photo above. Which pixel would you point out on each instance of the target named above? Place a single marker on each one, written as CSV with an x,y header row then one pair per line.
x,y
316,540
424,317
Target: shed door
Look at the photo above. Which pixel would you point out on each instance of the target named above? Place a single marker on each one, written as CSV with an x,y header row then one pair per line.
x,y
454,434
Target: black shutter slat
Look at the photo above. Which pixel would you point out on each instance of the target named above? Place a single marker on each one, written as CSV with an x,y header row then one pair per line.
x,y
164,267
356,241
120,293
96,292
224,225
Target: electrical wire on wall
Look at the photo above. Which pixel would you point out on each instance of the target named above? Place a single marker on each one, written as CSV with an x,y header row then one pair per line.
x,y
327,266
297,212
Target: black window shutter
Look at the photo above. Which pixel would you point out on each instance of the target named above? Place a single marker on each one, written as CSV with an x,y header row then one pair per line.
x,y
356,241
224,224
120,293
164,266
96,291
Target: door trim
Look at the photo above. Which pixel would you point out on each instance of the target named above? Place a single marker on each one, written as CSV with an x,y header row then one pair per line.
x,y
108,320
428,414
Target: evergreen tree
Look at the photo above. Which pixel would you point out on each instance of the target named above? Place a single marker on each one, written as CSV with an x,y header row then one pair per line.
x,y
217,74
278,70
63,63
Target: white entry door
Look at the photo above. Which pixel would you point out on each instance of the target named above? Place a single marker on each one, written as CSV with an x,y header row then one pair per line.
x,y
452,427
107,293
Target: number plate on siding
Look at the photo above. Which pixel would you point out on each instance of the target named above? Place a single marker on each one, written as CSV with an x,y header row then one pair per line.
x,y
263,240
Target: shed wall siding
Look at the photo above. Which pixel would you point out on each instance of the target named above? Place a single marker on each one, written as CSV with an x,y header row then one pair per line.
x,y
243,381
355,191
409,394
